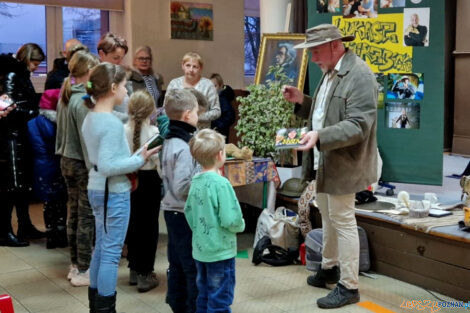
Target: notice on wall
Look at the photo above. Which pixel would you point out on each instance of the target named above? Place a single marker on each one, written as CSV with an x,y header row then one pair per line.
x,y
379,42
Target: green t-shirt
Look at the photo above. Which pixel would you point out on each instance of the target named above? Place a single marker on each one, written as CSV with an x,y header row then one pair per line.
x,y
214,215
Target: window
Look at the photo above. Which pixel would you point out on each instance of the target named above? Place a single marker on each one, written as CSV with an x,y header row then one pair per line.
x,y
85,25
12,37
252,42
23,23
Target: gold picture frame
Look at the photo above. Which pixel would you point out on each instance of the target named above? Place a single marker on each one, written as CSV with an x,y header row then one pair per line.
x,y
278,49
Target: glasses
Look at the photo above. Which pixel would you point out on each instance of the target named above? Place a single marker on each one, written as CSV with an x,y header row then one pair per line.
x,y
147,59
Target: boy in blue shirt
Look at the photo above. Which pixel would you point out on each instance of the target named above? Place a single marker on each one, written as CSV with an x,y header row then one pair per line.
x,y
214,215
178,167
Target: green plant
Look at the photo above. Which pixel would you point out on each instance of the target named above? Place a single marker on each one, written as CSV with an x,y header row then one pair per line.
x,y
263,112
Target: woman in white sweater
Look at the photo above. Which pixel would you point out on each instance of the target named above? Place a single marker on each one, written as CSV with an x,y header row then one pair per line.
x,y
192,66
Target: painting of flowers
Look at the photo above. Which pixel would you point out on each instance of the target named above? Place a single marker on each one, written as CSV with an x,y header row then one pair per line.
x,y
191,21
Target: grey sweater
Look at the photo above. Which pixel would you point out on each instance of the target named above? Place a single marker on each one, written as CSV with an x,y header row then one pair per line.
x,y
178,168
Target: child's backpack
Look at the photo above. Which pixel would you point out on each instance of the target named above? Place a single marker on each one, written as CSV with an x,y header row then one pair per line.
x,y
314,248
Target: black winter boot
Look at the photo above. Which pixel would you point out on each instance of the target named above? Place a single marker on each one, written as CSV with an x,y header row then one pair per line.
x,y
105,304
323,277
92,292
28,231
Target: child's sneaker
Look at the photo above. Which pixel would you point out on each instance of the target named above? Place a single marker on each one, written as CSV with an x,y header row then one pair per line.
x,y
73,270
81,279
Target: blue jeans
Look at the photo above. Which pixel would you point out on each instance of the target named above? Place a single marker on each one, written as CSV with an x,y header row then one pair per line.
x,y
182,289
216,285
108,246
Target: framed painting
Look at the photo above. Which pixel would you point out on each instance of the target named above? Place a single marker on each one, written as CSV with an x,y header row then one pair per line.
x,y
278,49
191,21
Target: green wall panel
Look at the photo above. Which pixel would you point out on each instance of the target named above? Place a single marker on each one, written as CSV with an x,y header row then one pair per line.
x,y
410,155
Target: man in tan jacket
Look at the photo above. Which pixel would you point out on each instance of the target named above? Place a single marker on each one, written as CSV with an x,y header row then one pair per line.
x,y
342,115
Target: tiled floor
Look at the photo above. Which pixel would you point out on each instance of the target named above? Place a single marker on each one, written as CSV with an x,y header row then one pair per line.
x,y
36,279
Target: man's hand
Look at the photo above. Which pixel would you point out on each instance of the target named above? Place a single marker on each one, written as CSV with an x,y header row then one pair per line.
x,y
310,139
292,94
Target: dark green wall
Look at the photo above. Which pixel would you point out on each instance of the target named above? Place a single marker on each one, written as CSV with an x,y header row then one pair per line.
x,y
411,155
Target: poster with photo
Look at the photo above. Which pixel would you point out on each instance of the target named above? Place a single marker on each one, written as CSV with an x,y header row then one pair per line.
x,y
416,27
385,4
360,8
402,115
405,86
328,6
381,81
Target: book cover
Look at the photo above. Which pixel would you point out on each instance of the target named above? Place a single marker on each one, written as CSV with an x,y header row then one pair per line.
x,y
289,138
154,141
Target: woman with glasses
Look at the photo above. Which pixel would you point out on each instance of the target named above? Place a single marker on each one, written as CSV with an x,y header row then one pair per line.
x,y
144,77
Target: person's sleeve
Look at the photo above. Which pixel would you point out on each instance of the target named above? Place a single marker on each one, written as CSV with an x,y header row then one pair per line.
x,y
185,168
360,116
188,211
213,111
79,116
230,213
303,109
112,163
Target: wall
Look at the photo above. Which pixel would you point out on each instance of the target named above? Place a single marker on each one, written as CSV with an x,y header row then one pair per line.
x,y
147,22
461,139
412,155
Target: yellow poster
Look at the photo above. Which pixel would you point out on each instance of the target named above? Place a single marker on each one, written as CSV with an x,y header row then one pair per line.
x,y
379,42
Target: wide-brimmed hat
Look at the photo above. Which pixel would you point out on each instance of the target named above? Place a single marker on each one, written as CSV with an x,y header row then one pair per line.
x,y
322,34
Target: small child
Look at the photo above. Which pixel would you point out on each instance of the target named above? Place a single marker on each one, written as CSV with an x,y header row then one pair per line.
x,y
142,233
178,168
214,215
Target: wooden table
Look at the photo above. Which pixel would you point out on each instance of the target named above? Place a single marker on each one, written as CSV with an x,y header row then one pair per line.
x,y
438,260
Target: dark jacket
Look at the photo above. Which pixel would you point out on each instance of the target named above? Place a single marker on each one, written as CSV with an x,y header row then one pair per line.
x,y
48,183
15,154
136,82
227,114
56,77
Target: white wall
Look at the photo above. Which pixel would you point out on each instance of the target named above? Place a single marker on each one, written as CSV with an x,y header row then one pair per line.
x,y
147,22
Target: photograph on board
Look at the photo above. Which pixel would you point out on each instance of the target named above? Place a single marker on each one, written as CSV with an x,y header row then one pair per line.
x,y
416,27
402,115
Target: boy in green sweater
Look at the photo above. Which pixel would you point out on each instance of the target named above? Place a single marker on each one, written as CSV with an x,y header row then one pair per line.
x,y
214,215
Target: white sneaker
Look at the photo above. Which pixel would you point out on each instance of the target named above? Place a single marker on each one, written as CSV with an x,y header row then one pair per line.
x,y
73,270
81,279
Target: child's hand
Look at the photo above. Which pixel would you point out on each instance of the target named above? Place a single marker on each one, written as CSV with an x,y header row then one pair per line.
x,y
148,153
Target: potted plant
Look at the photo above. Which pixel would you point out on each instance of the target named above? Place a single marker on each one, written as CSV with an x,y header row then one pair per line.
x,y
262,113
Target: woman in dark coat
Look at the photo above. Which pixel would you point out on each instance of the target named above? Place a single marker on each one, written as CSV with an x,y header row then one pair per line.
x,y
15,150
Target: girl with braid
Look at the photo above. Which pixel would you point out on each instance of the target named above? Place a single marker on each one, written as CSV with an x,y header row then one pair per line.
x,y
142,234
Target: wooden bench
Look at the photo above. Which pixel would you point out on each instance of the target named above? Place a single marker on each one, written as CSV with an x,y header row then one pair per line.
x,y
438,260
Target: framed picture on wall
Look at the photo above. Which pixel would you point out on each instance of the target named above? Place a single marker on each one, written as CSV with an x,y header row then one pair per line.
x,y
278,49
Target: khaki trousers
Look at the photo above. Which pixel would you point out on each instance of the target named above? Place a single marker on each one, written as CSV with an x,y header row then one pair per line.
x,y
340,236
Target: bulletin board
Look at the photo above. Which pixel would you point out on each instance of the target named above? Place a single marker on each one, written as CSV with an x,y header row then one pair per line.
x,y
409,65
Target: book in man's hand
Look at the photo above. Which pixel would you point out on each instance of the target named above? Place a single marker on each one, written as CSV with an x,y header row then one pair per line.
x,y
289,138
154,141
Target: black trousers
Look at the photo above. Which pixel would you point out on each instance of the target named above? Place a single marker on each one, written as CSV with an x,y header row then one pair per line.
x,y
142,233
18,199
